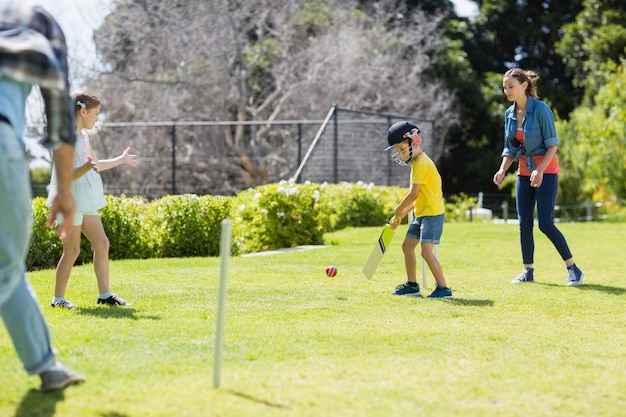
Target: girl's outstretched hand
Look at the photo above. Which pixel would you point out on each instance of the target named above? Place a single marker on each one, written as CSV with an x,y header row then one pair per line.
x,y
128,158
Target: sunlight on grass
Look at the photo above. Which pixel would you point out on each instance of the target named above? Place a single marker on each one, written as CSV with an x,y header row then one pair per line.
x,y
299,343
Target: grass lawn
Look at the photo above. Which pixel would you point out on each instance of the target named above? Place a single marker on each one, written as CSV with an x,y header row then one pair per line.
x,y
298,343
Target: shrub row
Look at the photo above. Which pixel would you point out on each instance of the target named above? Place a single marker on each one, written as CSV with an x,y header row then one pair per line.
x,y
267,217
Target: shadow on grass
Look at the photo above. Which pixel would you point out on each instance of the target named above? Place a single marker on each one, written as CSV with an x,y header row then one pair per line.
x,y
592,287
602,288
468,302
258,400
107,312
37,403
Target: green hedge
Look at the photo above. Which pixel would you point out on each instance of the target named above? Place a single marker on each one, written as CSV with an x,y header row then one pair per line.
x,y
45,247
267,217
185,225
124,221
277,216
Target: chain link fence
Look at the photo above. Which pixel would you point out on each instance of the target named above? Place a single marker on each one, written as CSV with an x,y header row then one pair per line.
x,y
223,158
349,147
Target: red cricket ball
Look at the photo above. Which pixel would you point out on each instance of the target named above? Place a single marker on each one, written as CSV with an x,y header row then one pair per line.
x,y
331,271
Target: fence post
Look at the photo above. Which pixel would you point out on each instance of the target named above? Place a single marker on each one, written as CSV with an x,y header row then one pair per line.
x,y
505,210
390,161
174,159
589,210
299,143
336,147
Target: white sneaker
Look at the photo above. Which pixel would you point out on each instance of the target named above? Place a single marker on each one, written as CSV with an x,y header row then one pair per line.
x,y
59,376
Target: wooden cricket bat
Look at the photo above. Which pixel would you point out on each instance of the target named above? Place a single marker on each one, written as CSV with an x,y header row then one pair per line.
x,y
379,251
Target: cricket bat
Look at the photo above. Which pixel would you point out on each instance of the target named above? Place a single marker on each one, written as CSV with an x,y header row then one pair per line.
x,y
379,251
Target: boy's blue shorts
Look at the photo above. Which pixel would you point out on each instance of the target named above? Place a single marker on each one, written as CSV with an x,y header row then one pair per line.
x,y
427,229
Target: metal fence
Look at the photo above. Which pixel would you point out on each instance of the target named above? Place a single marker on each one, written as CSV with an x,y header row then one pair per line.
x,y
502,209
198,157
349,147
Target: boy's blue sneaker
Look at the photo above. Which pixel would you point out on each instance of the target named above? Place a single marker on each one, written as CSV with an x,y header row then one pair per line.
x,y
406,289
441,292
574,276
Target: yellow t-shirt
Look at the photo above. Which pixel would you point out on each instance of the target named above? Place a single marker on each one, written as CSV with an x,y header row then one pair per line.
x,y
429,201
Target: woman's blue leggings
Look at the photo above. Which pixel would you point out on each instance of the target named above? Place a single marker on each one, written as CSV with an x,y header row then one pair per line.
x,y
545,199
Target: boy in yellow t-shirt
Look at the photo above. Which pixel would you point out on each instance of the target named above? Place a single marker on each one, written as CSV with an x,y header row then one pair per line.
x,y
425,198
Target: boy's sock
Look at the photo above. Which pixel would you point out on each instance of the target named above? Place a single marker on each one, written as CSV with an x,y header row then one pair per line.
x,y
411,284
104,296
57,299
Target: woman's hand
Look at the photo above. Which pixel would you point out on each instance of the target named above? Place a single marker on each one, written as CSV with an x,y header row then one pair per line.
x,y
498,177
536,178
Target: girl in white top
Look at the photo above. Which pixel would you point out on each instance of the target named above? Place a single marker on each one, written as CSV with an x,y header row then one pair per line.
x,y
89,195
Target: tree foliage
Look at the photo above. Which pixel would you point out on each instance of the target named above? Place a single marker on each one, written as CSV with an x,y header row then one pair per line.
x,y
266,60
244,61
595,155
595,38
505,34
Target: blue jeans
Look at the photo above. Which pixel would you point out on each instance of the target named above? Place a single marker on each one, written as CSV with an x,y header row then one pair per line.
x,y
545,198
19,308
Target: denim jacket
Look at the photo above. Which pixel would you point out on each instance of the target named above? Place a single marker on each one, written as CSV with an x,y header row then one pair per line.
x,y
539,132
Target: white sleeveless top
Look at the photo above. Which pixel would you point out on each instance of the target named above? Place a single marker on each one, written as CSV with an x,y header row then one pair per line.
x,y
88,190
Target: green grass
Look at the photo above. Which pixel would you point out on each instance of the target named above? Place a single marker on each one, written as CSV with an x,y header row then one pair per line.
x,y
299,343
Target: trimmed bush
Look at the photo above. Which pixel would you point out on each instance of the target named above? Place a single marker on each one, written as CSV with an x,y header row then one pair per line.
x,y
268,217
458,206
276,216
123,219
357,204
46,247
186,225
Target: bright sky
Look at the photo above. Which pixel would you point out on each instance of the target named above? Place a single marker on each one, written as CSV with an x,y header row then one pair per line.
x,y
466,8
78,19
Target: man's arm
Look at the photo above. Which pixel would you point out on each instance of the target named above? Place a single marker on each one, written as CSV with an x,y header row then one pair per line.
x,y
63,202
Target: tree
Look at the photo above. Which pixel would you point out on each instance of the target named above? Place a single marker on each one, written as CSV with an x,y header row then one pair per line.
x,y
595,38
524,34
503,35
263,60
594,158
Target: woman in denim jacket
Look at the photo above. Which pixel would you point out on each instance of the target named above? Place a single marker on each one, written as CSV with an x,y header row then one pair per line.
x,y
530,139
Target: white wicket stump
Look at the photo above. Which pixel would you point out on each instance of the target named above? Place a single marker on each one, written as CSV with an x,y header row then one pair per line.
x,y
424,273
225,235
411,216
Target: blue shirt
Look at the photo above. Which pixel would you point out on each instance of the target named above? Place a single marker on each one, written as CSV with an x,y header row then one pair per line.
x,y
539,131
